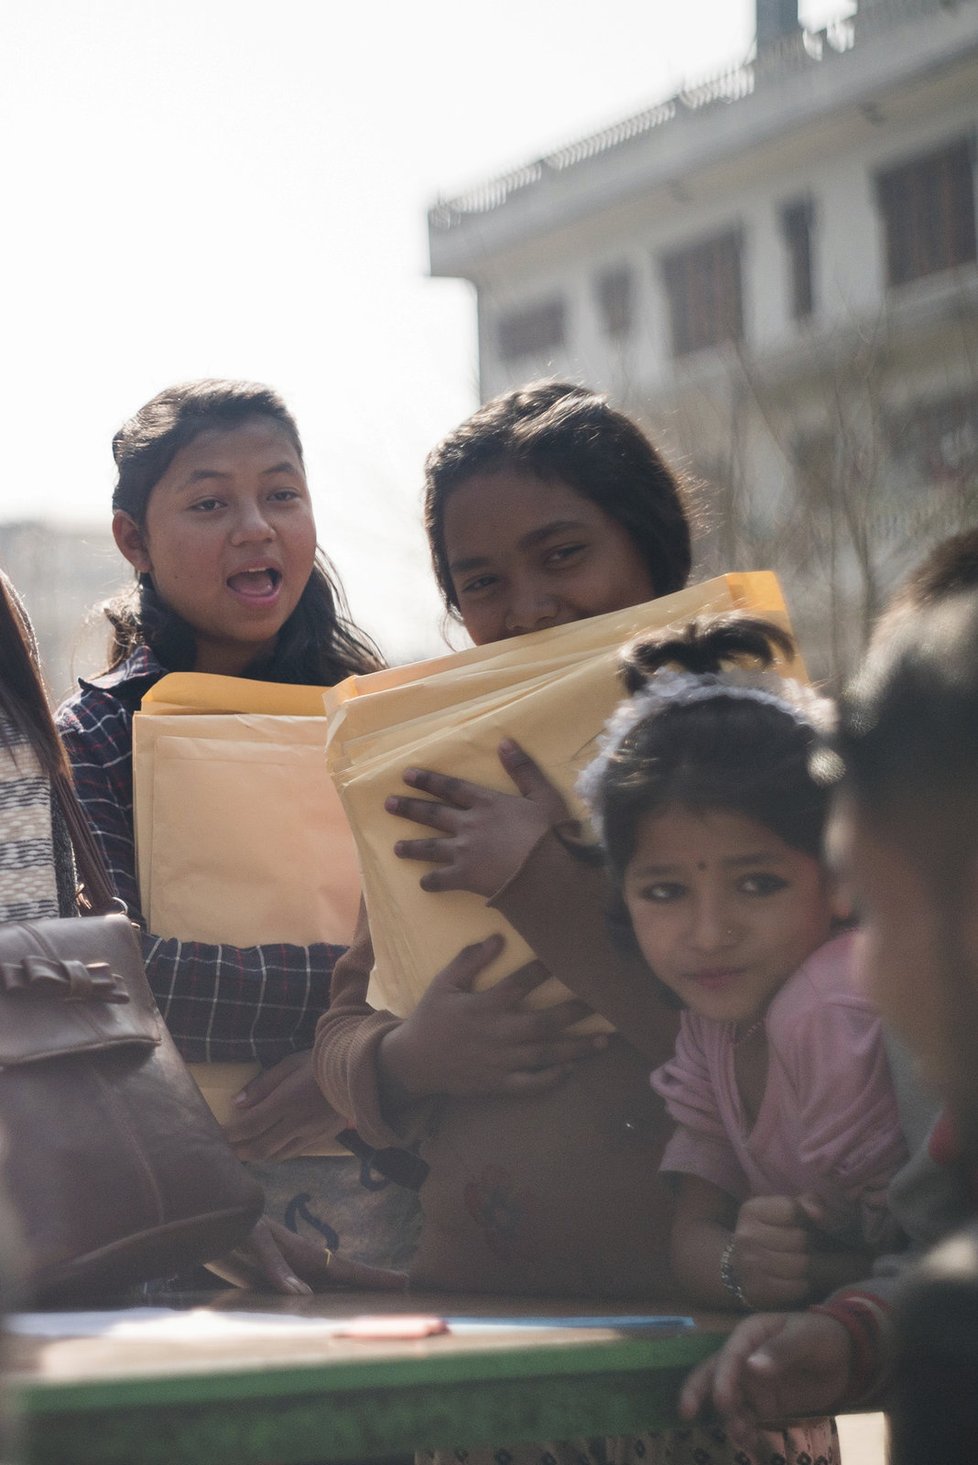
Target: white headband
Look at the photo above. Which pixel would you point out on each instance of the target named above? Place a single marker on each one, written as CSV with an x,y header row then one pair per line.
x,y
669,688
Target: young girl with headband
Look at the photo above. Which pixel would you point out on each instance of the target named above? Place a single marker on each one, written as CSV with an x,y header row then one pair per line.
x,y
787,1131
904,835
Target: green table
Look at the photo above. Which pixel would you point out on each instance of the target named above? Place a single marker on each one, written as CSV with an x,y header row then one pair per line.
x,y
238,1401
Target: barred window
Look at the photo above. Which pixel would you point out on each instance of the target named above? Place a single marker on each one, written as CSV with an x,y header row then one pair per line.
x,y
703,283
928,207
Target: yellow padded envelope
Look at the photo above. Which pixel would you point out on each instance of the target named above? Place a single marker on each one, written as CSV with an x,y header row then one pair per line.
x,y
552,691
240,834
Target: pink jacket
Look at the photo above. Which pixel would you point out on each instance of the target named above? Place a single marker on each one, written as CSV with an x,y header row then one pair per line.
x,y
828,1124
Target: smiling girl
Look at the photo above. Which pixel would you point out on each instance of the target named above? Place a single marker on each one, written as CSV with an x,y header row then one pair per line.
x,y
787,1129
546,507
787,1124
213,512
227,541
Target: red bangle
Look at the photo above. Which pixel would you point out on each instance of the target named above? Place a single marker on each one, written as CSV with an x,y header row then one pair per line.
x,y
865,1319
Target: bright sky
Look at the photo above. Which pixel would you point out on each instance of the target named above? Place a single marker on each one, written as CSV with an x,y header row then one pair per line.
x,y
236,188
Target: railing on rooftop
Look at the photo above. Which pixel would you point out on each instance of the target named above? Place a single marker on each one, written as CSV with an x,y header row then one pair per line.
x,y
791,54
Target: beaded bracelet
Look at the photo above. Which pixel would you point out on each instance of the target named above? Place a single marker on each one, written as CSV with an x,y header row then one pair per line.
x,y
729,1278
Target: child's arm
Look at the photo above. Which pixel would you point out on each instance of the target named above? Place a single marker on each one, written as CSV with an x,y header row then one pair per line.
x,y
760,1248
515,849
348,1036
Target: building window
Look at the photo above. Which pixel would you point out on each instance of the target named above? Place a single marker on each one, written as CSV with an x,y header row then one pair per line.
x,y
615,290
928,208
797,222
705,296
531,330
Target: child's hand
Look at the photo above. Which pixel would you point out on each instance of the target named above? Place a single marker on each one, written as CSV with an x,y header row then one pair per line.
x,y
483,836
774,1366
771,1257
464,1043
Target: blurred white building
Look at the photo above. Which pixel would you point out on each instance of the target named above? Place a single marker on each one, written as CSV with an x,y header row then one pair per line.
x,y
776,269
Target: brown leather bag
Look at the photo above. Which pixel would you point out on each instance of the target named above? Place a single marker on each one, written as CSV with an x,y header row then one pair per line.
x,y
113,1162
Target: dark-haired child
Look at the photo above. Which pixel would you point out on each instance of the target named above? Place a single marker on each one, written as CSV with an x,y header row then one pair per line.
x,y
904,833
787,1125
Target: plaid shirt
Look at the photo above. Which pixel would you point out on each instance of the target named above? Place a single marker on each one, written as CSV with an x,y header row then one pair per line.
x,y
221,1003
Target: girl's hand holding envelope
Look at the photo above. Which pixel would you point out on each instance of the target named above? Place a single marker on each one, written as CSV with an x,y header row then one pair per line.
x,y
484,835
461,1042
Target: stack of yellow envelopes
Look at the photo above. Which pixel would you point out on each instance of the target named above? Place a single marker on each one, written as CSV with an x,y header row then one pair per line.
x,y
240,834
552,691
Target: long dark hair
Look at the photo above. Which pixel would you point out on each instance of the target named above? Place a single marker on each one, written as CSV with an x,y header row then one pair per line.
x,y
556,430
318,644
24,705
